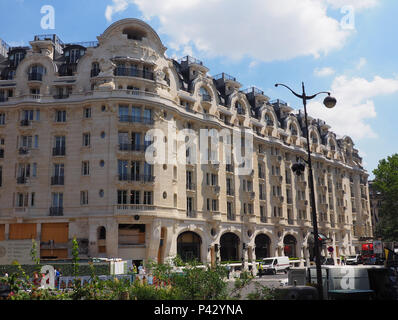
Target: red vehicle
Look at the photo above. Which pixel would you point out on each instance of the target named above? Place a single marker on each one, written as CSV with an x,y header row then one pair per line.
x,y
367,251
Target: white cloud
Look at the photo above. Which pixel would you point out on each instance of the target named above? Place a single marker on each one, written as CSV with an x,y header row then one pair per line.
x,y
116,7
357,4
354,105
263,30
323,72
361,63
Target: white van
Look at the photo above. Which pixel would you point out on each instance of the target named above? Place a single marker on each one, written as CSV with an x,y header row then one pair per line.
x,y
274,265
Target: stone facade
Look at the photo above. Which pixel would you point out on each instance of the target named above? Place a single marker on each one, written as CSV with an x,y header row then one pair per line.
x,y
73,118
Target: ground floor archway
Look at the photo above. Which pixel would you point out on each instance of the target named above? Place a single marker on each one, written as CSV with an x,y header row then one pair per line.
x,y
188,246
289,246
263,246
229,250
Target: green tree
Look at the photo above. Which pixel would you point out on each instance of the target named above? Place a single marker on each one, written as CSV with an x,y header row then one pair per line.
x,y
386,182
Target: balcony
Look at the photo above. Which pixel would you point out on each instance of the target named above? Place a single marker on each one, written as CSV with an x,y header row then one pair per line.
x,y
263,219
229,168
230,192
34,76
61,96
136,119
132,147
136,178
56,211
191,214
57,152
134,72
125,209
23,151
57,180
216,189
25,123
22,180
191,186
94,73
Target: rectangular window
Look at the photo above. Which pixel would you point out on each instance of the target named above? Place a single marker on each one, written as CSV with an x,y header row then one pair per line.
x,y
86,168
123,113
36,141
37,115
250,208
34,170
57,200
86,139
122,197
87,113
84,198
214,205
60,116
32,199
148,197
134,197
2,118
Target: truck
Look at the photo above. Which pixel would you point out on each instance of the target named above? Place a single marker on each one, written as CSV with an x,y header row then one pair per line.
x,y
274,264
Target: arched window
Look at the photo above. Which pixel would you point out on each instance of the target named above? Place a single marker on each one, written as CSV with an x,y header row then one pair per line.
x,y
205,95
314,138
239,108
268,120
101,233
95,69
36,72
290,246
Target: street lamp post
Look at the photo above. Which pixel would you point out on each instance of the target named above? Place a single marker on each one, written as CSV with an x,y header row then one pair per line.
x,y
329,102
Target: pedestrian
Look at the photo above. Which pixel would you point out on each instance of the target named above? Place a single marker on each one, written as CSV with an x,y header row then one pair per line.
x,y
260,270
134,269
342,260
140,267
228,270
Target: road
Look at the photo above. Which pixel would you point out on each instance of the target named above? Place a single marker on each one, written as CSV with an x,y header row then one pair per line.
x,y
271,281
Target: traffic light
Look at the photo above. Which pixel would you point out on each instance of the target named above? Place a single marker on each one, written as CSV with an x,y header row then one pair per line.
x,y
298,168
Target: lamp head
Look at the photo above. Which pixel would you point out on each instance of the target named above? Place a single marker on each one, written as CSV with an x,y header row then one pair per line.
x,y
330,102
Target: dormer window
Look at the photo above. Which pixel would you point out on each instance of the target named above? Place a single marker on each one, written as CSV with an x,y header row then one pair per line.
x,y
204,94
239,108
73,55
16,58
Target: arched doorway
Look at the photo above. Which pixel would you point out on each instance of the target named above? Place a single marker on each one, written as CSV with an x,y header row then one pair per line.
x,y
188,246
229,250
263,244
290,243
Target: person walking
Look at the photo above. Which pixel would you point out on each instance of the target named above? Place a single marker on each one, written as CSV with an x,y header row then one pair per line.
x,y
228,270
260,270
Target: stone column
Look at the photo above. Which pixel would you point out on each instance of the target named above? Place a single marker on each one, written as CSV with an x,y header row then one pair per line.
x,y
154,236
7,231
38,234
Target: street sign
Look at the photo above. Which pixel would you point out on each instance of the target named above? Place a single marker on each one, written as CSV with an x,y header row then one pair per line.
x,y
330,249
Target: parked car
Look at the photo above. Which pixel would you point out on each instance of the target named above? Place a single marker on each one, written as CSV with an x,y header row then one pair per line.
x,y
274,265
354,260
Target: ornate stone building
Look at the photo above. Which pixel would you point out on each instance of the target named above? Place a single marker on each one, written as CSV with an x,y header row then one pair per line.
x,y
73,121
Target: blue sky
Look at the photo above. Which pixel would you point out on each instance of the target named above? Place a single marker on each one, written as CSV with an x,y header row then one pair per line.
x,y
348,47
